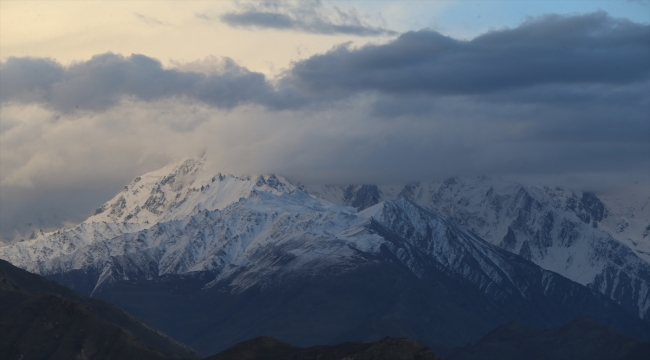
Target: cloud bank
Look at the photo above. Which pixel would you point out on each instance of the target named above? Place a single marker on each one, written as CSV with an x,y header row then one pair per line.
x,y
551,50
557,99
106,79
548,59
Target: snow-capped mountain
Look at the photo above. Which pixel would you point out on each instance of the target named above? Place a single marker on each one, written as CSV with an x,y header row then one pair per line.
x,y
181,189
624,214
262,232
603,245
174,192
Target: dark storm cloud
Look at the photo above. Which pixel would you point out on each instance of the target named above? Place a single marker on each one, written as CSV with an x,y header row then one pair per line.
x,y
548,60
29,79
104,80
303,16
585,50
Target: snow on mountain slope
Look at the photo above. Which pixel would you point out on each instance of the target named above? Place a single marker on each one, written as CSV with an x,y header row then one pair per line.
x,y
174,192
458,251
243,235
32,253
628,218
623,214
555,228
182,189
560,230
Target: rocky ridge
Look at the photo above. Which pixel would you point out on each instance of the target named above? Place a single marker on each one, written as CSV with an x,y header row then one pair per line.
x,y
577,235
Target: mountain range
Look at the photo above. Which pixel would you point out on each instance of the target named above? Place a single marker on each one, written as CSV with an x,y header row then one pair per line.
x,y
216,259
600,243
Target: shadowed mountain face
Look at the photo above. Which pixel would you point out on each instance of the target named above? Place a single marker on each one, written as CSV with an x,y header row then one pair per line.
x,y
581,339
41,326
40,319
364,305
267,348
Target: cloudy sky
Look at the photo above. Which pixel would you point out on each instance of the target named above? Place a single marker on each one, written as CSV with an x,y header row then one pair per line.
x,y
94,93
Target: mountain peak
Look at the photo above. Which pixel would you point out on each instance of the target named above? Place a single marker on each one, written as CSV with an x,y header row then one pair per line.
x,y
181,189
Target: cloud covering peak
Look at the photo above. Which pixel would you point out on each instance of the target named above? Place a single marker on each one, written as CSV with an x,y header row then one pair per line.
x,y
558,97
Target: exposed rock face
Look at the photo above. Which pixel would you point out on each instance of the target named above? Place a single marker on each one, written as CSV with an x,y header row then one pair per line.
x,y
361,197
600,241
557,229
590,209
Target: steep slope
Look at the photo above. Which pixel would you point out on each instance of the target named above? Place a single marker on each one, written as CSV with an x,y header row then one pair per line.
x,y
555,228
628,217
181,189
175,192
582,339
601,245
414,231
243,235
42,319
49,326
